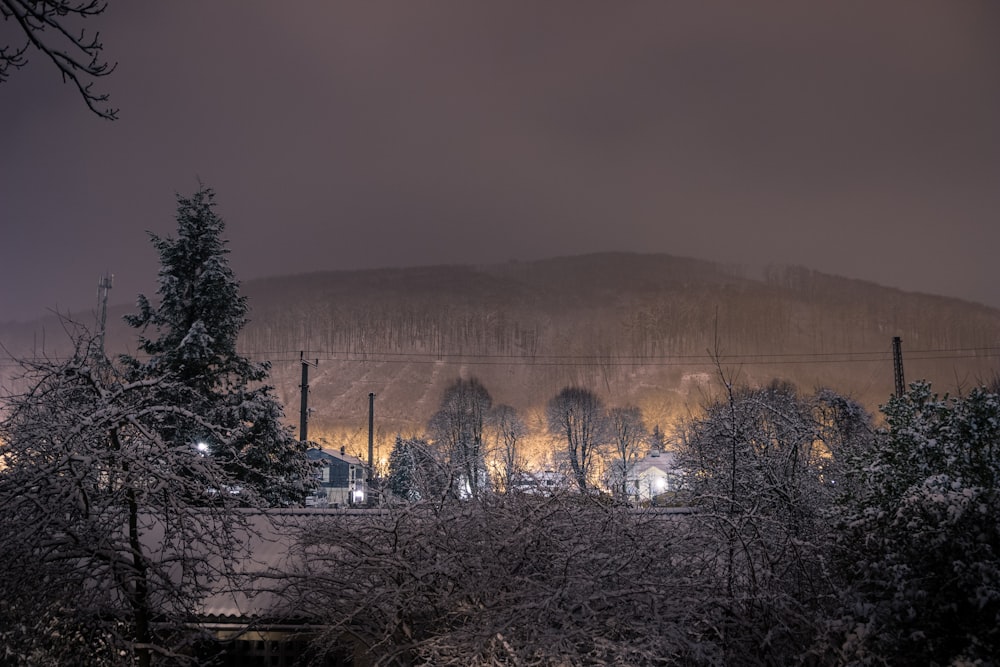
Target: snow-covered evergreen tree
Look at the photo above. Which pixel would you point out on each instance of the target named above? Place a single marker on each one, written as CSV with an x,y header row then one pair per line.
x,y
414,472
919,535
195,327
402,471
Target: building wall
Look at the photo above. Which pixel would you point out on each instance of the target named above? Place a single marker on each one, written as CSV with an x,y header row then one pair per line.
x,y
342,482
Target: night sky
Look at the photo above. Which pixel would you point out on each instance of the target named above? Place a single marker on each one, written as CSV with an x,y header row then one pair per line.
x,y
855,138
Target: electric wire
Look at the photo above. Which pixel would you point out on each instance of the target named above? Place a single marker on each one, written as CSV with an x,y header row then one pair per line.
x,y
613,360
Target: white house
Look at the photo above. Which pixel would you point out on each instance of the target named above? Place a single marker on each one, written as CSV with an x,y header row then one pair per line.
x,y
653,475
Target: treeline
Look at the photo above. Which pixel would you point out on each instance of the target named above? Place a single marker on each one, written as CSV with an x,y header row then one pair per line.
x,y
816,537
634,306
626,306
384,326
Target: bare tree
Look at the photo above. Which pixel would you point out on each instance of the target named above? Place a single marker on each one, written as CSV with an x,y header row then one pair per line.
x,y
628,432
755,463
110,534
508,430
577,415
458,429
49,26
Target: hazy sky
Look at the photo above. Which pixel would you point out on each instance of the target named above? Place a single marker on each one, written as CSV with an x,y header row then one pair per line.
x,y
857,138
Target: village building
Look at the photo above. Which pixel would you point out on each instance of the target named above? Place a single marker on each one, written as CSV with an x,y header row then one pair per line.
x,y
341,479
655,478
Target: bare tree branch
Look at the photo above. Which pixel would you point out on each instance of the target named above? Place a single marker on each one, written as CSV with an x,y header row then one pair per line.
x,y
76,54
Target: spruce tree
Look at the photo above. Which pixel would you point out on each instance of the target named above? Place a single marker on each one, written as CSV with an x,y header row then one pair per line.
x,y
414,473
402,470
194,328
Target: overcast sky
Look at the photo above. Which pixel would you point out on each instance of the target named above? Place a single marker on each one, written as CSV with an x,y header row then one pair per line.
x,y
857,138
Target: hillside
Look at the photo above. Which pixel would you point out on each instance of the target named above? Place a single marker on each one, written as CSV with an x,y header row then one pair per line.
x,y
636,328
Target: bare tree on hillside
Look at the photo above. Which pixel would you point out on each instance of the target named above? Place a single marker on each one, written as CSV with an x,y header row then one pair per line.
x,y
508,429
577,416
458,429
628,433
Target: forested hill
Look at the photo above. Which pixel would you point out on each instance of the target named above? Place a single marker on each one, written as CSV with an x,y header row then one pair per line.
x,y
636,328
623,305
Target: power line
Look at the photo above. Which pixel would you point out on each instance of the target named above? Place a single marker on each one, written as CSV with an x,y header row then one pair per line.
x,y
546,360
486,359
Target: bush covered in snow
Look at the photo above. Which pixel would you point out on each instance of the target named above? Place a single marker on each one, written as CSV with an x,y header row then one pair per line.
x,y
919,535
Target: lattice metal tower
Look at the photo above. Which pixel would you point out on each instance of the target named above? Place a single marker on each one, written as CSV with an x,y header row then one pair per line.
x,y
103,289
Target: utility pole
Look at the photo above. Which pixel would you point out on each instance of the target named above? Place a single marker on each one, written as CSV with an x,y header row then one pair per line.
x,y
304,407
370,485
897,364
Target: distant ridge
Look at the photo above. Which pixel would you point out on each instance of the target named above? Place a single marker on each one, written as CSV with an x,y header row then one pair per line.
x,y
638,328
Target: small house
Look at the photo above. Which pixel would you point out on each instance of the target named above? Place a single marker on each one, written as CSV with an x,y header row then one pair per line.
x,y
654,476
341,479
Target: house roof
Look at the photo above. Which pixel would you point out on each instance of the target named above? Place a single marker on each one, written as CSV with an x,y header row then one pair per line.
x,y
654,462
270,539
268,551
318,454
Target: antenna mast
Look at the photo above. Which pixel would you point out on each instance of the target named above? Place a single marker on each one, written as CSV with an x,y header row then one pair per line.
x,y
103,288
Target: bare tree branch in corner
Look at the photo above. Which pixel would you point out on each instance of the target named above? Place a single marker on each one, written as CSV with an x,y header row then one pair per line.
x,y
48,25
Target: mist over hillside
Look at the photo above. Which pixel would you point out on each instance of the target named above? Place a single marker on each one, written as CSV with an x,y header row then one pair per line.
x,y
637,329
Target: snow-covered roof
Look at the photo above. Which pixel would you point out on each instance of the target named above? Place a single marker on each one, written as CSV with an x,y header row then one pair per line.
x,y
269,545
270,541
317,454
654,462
